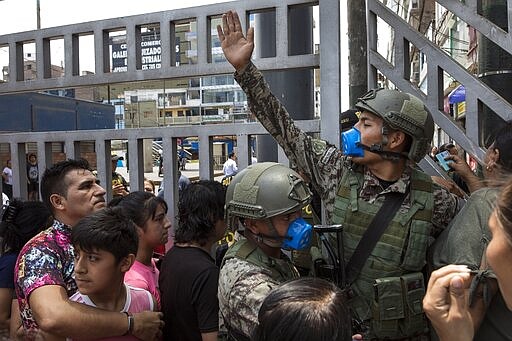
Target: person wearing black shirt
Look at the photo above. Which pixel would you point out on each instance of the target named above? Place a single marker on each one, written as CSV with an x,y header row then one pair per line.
x,y
189,276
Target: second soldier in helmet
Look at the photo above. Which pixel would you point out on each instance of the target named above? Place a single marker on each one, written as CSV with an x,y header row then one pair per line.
x,y
266,200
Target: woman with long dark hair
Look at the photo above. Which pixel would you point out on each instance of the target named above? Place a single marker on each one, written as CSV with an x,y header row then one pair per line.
x,y
149,214
21,220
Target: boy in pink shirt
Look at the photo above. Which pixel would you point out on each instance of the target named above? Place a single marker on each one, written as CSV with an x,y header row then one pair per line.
x,y
105,245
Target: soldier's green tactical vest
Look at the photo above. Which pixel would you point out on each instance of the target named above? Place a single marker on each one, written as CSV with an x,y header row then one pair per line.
x,y
389,290
281,270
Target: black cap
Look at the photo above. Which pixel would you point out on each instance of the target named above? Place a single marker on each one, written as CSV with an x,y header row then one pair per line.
x,y
116,157
446,146
348,119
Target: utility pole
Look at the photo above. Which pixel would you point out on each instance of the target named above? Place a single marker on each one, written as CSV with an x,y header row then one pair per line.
x,y
494,65
38,14
357,46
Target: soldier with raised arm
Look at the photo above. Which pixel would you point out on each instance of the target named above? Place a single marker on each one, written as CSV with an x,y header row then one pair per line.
x,y
376,165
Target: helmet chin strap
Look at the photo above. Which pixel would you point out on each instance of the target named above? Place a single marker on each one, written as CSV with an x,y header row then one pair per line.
x,y
271,241
378,149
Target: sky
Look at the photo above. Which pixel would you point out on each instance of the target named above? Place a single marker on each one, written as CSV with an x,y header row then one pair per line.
x,y
22,13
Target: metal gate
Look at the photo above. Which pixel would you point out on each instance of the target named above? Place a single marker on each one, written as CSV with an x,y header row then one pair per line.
x,y
327,60
399,73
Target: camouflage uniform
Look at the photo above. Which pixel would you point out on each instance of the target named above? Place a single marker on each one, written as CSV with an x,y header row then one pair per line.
x,y
324,164
244,285
321,161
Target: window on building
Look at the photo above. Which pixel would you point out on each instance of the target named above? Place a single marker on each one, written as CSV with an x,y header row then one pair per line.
x,y
194,82
210,96
193,94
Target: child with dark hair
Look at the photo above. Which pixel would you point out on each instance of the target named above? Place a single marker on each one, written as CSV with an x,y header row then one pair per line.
x,y
105,245
21,220
189,276
149,214
304,309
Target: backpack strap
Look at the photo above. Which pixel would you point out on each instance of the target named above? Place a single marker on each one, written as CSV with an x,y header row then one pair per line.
x,y
373,233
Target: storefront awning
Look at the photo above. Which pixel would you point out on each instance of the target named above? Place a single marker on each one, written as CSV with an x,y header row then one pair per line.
x,y
458,95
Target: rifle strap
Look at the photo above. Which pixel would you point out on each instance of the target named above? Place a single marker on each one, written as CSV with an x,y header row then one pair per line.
x,y
373,233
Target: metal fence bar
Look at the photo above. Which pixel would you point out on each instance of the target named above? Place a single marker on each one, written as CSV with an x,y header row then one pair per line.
x,y
244,155
437,60
509,15
206,155
330,96
170,162
150,133
472,121
136,163
467,12
371,27
42,155
18,158
281,156
329,14
104,166
132,25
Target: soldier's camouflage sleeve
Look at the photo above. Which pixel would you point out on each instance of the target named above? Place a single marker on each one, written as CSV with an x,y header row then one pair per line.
x,y
446,206
320,161
242,288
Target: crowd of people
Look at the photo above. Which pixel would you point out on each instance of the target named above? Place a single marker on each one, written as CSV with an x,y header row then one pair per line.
x,y
413,250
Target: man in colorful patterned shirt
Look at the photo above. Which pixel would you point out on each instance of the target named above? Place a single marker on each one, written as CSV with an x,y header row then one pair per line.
x,y
394,132
44,278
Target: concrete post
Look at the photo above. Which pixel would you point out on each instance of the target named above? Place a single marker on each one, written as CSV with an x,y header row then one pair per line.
x,y
294,88
495,68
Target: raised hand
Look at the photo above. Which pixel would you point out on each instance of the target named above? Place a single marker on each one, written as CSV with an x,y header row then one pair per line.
x,y
236,47
460,166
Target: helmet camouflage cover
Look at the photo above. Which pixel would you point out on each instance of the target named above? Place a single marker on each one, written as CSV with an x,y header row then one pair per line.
x,y
264,190
404,112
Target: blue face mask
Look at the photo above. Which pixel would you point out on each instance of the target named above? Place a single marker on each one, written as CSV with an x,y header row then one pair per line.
x,y
351,143
298,236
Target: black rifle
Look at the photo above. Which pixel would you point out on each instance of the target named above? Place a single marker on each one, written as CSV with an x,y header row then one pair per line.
x,y
335,271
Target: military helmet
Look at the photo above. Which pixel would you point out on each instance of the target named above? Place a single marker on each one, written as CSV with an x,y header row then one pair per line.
x,y
404,112
264,190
